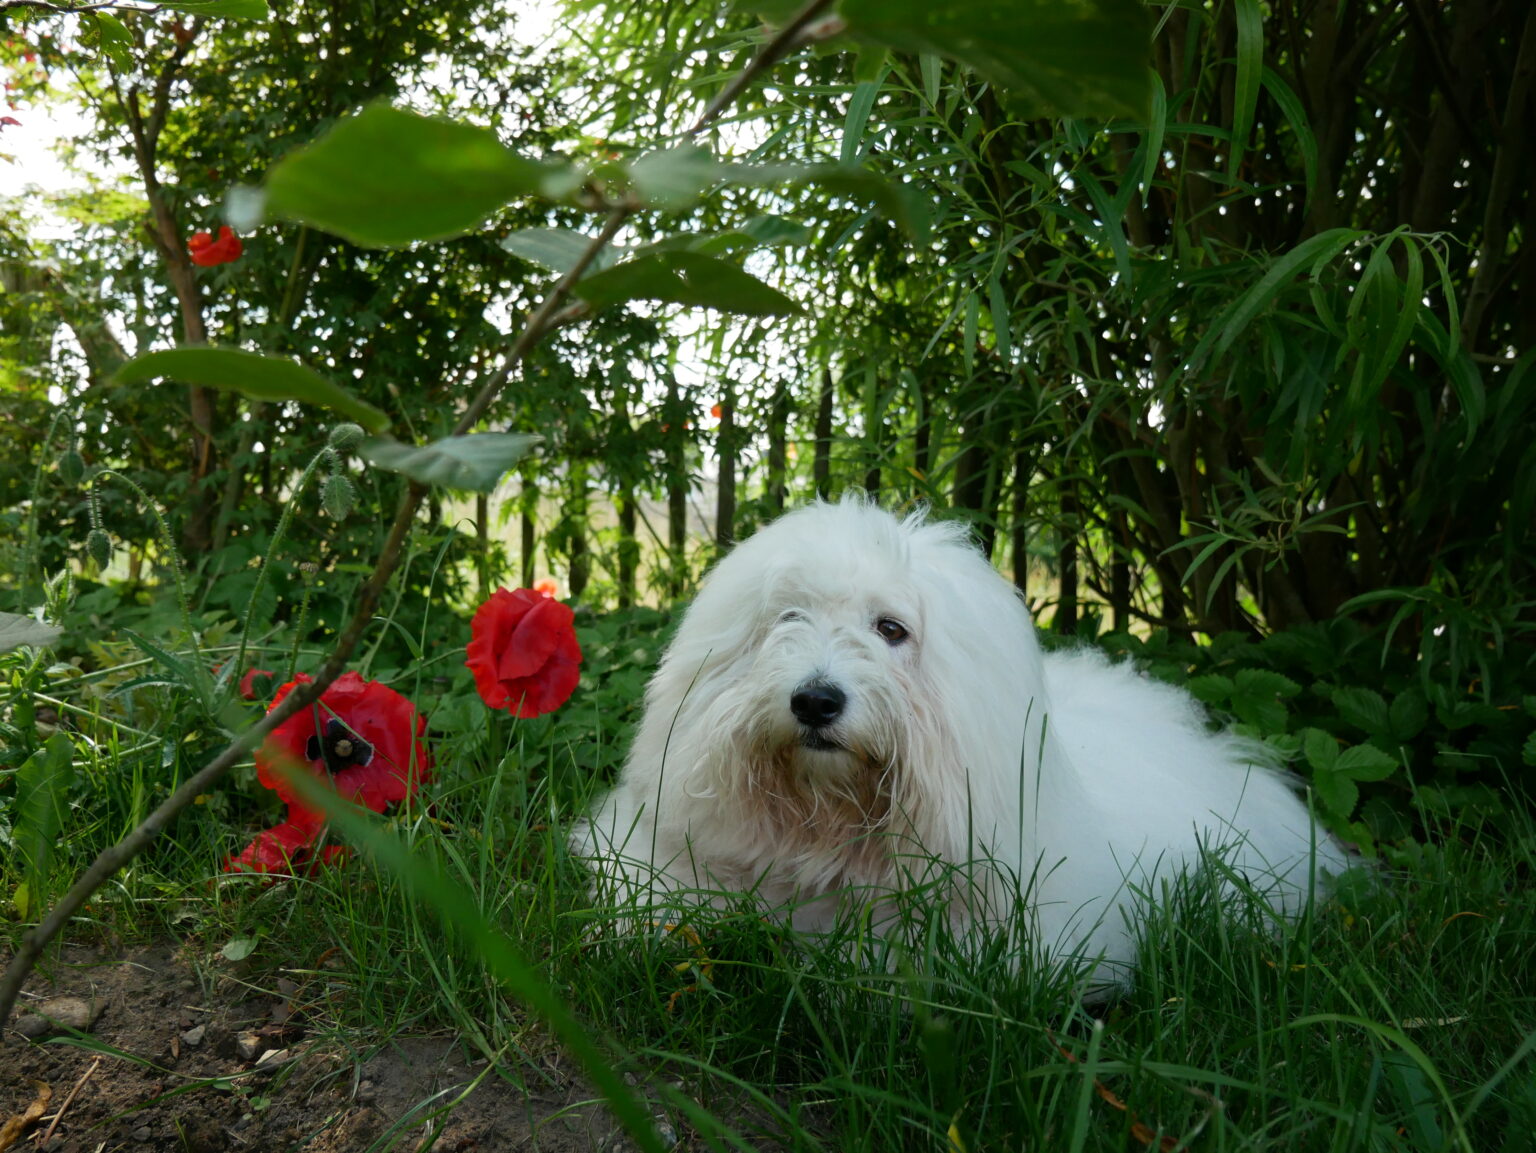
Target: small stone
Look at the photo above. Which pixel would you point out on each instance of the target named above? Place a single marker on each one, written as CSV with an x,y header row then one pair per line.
x,y
193,1037
59,1013
248,1045
143,1133
366,1092
272,1055
32,1026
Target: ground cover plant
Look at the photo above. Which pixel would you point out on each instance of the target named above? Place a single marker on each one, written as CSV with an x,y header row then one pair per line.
x,y
1225,360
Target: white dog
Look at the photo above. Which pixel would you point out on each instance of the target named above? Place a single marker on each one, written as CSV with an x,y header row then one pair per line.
x,y
853,698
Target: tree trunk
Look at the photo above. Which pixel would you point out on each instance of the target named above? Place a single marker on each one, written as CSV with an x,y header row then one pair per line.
x,y
1120,571
677,490
483,543
529,537
725,489
1023,470
778,440
1066,561
821,468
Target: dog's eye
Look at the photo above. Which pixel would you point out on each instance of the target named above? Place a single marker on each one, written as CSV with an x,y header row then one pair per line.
x,y
892,630
791,615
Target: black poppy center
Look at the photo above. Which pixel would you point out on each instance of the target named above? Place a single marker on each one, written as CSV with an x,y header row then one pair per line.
x,y
340,746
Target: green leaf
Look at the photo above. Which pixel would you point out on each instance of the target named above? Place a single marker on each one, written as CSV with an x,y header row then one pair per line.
x,y
476,462
1211,689
112,37
860,104
556,249
685,278
16,631
1234,322
1321,749
387,177
250,374
1528,752
1264,682
222,9
1296,116
1365,763
239,949
902,204
1363,708
42,785
1339,794
673,179
1260,709
1056,58
1250,63
1408,715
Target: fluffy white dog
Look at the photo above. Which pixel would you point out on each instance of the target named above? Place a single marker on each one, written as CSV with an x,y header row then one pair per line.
x,y
854,698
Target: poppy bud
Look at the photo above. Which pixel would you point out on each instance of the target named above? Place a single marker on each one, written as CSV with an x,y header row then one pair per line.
x,y
345,435
99,547
338,496
71,467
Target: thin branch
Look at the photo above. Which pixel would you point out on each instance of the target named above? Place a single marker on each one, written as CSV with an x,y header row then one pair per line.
x,y
783,41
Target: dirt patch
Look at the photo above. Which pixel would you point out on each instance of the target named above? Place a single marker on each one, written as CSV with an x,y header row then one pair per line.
x,y
195,1059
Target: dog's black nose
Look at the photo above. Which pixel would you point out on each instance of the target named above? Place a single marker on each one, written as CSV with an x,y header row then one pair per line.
x,y
817,704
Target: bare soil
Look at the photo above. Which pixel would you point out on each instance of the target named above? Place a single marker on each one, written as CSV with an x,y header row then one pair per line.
x,y
192,1057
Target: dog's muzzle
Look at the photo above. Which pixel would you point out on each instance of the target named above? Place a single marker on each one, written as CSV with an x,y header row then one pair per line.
x,y
817,705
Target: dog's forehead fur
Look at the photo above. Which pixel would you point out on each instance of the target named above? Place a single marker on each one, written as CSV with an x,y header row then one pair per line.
x,y
852,553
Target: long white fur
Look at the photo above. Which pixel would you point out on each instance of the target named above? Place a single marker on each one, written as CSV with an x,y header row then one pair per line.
x,y
1063,785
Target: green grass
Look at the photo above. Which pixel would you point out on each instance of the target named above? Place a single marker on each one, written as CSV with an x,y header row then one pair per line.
x,y
1398,1017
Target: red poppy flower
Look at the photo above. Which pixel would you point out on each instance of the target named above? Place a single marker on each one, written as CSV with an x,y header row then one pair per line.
x,y
362,735
714,411
248,688
205,251
523,652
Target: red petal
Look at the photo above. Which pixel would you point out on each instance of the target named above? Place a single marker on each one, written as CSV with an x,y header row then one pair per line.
x,y
248,682
276,850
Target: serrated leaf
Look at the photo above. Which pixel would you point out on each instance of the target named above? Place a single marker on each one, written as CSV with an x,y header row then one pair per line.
x,y
476,462
1256,682
1408,715
222,9
1363,708
1261,710
1212,689
1365,763
556,249
387,177
250,374
1321,749
1337,793
16,631
1056,59
685,278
